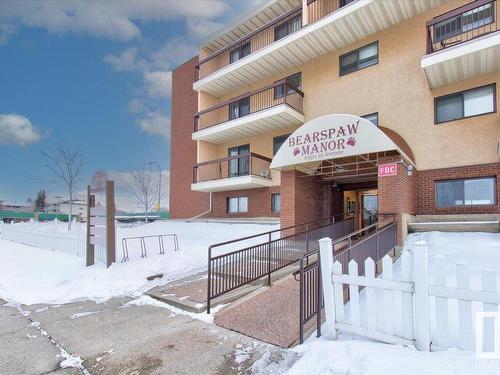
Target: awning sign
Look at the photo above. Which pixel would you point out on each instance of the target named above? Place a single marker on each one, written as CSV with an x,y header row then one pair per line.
x,y
386,170
331,137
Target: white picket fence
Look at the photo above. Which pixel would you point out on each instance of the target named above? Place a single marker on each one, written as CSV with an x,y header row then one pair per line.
x,y
72,243
407,309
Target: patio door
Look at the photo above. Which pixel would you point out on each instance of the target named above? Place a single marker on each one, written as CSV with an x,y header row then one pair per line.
x,y
239,108
239,166
370,209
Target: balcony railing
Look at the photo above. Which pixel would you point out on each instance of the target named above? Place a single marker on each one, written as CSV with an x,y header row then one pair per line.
x,y
462,24
276,29
281,92
248,164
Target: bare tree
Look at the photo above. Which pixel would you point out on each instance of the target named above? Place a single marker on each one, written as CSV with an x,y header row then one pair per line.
x,y
65,163
142,186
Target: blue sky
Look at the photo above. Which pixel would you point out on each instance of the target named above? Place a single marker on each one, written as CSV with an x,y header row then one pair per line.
x,y
95,75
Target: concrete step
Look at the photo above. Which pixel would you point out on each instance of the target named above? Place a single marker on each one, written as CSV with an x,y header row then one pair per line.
x,y
492,226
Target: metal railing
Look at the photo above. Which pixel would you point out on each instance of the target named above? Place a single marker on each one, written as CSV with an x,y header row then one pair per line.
x,y
462,24
248,164
281,92
251,43
373,241
234,269
142,243
318,9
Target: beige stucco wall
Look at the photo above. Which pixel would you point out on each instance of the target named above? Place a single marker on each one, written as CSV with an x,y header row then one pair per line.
x,y
396,88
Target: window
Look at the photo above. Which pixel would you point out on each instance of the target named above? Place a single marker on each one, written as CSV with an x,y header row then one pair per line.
x,y
275,202
237,204
288,27
464,22
466,192
239,108
240,52
238,166
372,117
295,79
359,59
477,101
278,142
343,3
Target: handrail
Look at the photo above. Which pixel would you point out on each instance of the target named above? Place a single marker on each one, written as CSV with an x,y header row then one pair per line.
x,y
458,11
250,93
249,36
245,155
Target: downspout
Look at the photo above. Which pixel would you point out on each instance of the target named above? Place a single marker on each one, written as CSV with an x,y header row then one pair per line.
x,y
206,212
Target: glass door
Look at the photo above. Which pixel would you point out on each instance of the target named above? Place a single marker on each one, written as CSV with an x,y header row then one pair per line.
x,y
239,166
370,209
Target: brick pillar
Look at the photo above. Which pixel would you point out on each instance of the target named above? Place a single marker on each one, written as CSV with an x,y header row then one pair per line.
x,y
337,202
396,195
302,198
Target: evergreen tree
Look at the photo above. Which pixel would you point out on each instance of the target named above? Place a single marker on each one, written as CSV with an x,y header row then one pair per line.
x,y
40,201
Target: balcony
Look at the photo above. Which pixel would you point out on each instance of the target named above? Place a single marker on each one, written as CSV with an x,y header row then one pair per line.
x,y
286,42
238,172
463,43
273,107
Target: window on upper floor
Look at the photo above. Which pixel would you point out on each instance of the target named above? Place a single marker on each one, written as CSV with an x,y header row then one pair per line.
x,y
466,192
358,59
473,102
239,52
275,202
295,79
239,108
288,27
372,117
278,142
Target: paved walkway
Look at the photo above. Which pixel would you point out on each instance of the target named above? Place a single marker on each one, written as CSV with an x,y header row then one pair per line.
x,y
118,337
271,316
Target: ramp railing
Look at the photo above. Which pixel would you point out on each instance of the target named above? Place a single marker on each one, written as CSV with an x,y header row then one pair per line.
x,y
273,251
374,241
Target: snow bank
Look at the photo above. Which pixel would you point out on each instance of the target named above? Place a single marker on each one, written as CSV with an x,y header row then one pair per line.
x,y
30,275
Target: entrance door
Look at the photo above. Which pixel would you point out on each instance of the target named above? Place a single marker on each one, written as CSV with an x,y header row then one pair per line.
x,y
370,209
239,166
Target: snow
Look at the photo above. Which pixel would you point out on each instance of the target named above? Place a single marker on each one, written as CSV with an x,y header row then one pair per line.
x,y
30,275
358,357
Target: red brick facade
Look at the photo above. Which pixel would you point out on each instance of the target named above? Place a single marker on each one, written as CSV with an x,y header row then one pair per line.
x,y
425,196
184,203
259,203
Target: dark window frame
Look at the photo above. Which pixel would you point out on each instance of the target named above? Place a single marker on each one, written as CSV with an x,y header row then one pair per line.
x,y
357,50
494,85
372,114
285,136
239,101
241,171
273,206
288,23
495,192
240,49
237,212
278,95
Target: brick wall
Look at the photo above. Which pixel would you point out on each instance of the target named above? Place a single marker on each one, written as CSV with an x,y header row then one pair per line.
x,y
426,204
184,203
302,199
259,203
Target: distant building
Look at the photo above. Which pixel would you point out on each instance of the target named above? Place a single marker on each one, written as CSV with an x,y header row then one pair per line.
x,y
62,207
26,206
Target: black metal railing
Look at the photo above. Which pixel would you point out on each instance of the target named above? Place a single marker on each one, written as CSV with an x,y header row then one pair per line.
x,y
274,251
462,24
373,241
247,164
281,92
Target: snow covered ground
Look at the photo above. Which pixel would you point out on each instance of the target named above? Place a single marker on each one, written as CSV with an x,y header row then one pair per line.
x,y
31,275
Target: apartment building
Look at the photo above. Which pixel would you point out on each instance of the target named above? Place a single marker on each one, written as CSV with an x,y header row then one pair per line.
x,y
313,108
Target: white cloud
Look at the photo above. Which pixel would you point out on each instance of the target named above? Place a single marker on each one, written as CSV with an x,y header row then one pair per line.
x,y
18,130
158,84
126,61
155,123
6,31
201,28
136,106
112,19
174,52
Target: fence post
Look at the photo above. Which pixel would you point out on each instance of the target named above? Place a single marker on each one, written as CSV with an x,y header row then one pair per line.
x,y
326,261
422,309
269,260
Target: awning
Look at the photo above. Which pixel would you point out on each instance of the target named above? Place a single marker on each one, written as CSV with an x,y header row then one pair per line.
x,y
336,136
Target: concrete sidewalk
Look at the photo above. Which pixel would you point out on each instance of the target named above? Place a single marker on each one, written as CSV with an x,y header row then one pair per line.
x,y
120,338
